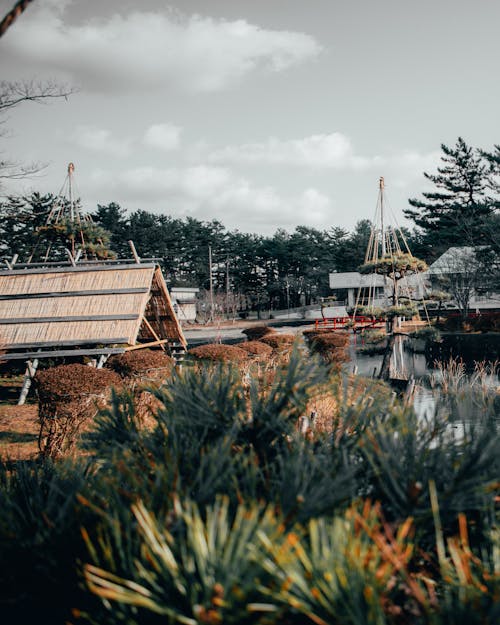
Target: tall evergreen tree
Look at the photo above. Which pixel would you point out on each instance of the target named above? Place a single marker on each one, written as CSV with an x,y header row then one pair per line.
x,y
456,213
112,217
20,219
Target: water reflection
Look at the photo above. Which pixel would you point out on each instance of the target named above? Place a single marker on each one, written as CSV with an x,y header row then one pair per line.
x,y
462,392
412,359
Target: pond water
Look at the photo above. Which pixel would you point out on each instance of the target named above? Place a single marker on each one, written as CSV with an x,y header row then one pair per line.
x,y
418,360
465,378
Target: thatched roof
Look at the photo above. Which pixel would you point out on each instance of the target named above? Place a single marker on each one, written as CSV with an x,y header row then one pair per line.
x,y
85,309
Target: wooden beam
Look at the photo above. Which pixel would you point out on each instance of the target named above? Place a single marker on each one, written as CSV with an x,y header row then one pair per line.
x,y
144,345
63,353
68,319
78,268
134,252
160,282
28,377
50,294
151,329
44,344
70,256
114,261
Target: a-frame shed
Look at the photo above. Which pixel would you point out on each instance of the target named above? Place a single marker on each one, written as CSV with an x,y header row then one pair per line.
x,y
86,310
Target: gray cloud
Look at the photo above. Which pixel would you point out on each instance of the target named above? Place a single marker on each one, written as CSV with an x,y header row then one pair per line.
x,y
209,192
320,151
165,136
101,140
155,49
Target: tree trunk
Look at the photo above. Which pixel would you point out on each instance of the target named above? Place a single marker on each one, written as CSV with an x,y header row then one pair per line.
x,y
385,369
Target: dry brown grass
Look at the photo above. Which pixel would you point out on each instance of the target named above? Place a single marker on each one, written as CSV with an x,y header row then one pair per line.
x,y
19,429
310,333
328,405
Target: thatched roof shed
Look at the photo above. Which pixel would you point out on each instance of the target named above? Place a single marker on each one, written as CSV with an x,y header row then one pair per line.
x,y
85,310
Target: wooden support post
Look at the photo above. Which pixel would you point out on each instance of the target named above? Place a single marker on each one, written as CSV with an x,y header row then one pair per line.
x,y
134,252
28,376
144,345
70,256
151,329
102,361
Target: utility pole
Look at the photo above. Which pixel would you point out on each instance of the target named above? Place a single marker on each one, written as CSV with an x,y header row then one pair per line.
x,y
227,286
211,283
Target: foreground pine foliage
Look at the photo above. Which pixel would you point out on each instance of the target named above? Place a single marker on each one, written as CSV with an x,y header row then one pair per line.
x,y
223,511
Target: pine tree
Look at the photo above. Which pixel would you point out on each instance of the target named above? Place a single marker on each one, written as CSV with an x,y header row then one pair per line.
x,y
20,219
456,213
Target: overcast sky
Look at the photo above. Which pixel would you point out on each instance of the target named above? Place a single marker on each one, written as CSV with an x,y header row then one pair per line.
x,y
259,113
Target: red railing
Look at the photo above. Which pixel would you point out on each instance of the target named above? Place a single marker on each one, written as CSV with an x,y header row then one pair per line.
x,y
339,323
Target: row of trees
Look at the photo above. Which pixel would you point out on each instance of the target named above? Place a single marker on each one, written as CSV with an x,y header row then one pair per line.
x,y
282,270
267,272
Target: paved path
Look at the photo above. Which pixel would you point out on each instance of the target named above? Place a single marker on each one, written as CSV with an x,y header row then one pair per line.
x,y
204,334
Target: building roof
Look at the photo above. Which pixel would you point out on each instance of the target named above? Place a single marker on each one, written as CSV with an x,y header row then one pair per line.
x,y
454,260
105,308
355,280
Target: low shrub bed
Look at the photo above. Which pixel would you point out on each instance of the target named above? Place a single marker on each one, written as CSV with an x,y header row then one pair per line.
x,y
256,348
279,341
333,346
257,332
217,352
139,362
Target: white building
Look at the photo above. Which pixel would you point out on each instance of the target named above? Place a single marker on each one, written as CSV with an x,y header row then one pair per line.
x,y
460,272
345,286
184,298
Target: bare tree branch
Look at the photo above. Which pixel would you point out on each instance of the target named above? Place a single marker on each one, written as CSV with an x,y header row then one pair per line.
x,y
13,93
12,15
11,170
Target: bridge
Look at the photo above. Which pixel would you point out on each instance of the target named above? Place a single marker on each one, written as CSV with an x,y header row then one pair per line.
x,y
357,323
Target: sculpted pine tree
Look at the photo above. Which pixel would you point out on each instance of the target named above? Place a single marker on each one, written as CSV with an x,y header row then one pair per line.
x,y
395,267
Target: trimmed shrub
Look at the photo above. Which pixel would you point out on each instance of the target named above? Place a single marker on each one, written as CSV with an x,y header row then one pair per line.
x,y
332,346
256,348
486,323
257,332
312,332
279,341
142,370
66,383
68,397
140,362
216,352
